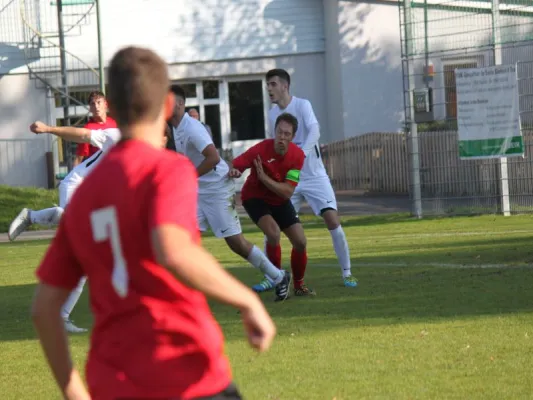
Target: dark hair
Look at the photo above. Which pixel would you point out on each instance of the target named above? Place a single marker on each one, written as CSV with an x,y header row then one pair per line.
x,y
96,94
178,91
138,85
290,119
280,73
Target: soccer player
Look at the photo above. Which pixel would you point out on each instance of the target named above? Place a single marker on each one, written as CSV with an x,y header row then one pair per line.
x,y
137,240
216,193
101,139
275,170
99,120
315,186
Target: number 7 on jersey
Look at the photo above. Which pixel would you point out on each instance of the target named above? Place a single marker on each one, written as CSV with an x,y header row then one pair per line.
x,y
104,223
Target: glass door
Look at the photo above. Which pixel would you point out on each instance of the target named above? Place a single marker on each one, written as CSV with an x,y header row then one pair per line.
x,y
247,109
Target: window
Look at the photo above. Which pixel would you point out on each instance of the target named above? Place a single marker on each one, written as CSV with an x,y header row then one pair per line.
x,y
246,110
188,88
450,91
212,119
210,89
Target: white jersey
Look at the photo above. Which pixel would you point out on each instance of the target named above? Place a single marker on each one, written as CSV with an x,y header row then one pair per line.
x,y
104,139
307,122
191,138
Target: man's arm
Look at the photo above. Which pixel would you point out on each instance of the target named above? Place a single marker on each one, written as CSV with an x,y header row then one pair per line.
x,y
59,273
173,222
313,128
283,189
246,159
46,316
70,133
204,144
195,267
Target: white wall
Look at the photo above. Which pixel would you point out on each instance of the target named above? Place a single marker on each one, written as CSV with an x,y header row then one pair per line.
x,y
334,77
371,69
184,31
22,153
21,103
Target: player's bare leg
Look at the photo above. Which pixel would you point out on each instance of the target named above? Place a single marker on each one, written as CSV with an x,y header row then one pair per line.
x,y
340,244
295,233
280,279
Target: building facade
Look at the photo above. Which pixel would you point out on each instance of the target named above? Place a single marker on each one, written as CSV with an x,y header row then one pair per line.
x,y
344,56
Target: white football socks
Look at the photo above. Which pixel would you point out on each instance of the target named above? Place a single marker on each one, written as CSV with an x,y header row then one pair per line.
x,y
48,216
340,244
73,299
260,261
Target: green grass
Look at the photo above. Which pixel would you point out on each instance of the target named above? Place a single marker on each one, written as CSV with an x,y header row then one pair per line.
x,y
426,322
12,200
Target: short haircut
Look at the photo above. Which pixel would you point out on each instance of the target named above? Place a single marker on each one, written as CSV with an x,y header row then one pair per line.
x,y
138,85
94,95
290,119
280,73
178,91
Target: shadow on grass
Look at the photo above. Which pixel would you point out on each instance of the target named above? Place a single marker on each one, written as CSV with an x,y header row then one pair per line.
x,y
385,296
15,319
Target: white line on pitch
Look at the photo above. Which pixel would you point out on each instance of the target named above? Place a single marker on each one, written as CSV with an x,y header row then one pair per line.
x,y
428,235
356,265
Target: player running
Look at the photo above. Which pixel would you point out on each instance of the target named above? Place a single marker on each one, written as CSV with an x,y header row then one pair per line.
x,y
216,193
103,140
315,186
136,238
275,171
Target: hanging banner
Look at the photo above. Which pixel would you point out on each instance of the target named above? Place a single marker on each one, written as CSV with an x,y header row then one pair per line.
x,y
488,115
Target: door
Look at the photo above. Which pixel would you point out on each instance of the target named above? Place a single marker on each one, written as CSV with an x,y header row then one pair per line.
x,y
247,105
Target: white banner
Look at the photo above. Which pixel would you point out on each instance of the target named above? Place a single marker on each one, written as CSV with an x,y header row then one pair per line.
x,y
488,115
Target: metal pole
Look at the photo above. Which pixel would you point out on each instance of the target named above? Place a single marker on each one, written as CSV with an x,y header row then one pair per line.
x,y
413,128
64,76
100,54
426,43
504,173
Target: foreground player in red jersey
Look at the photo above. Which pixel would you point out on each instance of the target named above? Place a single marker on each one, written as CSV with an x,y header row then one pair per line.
x,y
275,172
137,240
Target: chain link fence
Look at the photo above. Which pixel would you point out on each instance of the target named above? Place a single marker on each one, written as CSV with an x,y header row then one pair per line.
x,y
438,37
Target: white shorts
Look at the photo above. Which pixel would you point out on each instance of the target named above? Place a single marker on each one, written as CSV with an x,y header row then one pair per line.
x,y
218,211
66,190
317,192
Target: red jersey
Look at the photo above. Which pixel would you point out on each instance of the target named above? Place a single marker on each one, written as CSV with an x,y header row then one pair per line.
x,y
153,336
284,168
87,150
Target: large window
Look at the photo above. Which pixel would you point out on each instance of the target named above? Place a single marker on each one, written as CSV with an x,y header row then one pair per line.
x,y
246,110
212,119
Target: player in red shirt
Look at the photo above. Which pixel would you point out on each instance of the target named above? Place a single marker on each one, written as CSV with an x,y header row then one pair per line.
x,y
275,172
137,240
100,120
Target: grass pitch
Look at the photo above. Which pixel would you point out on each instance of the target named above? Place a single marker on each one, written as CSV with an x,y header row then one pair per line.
x,y
443,311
